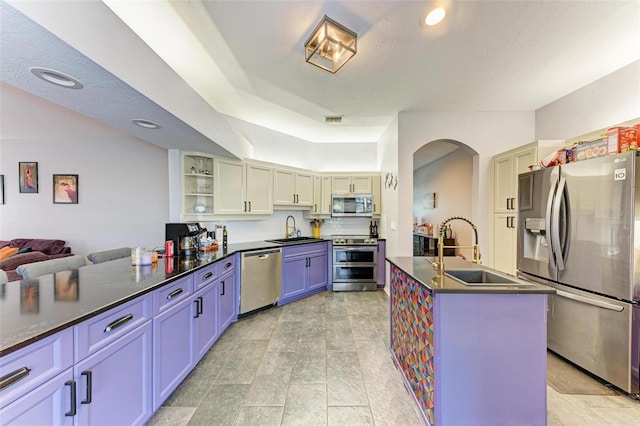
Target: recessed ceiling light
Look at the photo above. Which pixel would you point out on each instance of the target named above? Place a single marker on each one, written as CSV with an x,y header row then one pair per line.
x,y
435,16
145,123
56,77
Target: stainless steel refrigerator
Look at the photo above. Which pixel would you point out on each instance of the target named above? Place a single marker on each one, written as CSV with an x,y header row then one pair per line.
x,y
579,232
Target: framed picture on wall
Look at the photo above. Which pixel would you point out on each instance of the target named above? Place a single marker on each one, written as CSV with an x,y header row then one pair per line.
x,y
28,177
65,189
1,189
429,199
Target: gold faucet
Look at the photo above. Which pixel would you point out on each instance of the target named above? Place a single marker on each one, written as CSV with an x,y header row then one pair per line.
x,y
287,227
439,265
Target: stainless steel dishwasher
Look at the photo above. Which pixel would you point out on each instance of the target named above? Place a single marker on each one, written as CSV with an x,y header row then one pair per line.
x,y
261,280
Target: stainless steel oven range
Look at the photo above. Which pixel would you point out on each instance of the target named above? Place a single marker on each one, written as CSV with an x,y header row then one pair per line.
x,y
355,259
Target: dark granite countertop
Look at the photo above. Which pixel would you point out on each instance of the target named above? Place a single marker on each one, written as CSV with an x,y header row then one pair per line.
x,y
35,308
420,268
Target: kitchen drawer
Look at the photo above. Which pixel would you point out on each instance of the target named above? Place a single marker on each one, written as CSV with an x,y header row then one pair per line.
x,y
34,365
97,332
205,276
227,265
170,294
303,249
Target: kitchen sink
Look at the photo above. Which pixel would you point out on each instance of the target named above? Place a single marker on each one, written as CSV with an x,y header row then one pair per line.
x,y
482,277
294,240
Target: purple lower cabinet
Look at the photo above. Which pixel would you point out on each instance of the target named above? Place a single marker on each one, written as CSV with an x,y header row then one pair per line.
x,y
47,404
227,301
317,271
206,326
114,384
173,348
294,272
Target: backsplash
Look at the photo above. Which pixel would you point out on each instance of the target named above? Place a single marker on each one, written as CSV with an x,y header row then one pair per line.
x,y
274,227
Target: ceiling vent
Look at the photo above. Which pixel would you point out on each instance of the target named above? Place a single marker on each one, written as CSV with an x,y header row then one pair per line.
x,y
333,118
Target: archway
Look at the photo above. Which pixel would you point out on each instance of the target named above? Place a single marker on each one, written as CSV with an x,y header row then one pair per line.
x,y
444,179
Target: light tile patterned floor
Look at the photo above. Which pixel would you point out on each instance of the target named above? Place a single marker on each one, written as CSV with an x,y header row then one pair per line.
x,y
324,360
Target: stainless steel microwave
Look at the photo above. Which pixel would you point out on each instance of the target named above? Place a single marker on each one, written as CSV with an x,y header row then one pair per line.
x,y
351,205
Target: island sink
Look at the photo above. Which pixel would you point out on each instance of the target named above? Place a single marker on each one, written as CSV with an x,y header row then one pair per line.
x,y
482,277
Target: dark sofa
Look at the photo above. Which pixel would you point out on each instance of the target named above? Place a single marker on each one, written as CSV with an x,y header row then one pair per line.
x,y
41,249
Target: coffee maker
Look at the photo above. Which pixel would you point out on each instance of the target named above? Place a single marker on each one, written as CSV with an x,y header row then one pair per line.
x,y
185,237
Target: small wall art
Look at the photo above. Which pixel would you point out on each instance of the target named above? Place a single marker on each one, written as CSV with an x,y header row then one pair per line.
x,y
65,189
429,199
28,177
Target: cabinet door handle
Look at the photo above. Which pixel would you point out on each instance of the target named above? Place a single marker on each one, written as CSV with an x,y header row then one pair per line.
x,y
222,294
315,208
245,206
197,302
227,265
72,388
207,275
15,376
201,305
88,375
118,323
249,205
174,293
294,198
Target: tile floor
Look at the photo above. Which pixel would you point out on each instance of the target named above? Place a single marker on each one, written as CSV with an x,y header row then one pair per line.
x,y
325,360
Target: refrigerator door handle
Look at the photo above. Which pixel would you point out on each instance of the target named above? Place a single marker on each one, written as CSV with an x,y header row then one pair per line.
x,y
588,301
555,224
547,222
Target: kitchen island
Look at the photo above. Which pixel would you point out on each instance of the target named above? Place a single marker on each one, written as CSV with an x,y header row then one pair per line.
x,y
470,354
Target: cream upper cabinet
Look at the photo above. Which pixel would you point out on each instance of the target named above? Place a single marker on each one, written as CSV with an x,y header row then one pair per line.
x,y
259,189
505,170
351,185
376,182
317,195
292,188
325,197
230,186
242,188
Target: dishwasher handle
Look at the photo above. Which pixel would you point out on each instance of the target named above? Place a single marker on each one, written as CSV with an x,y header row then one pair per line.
x,y
263,254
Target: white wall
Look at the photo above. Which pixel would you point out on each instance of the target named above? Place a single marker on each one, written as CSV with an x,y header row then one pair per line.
x,y
123,182
611,100
488,133
450,177
388,163
276,147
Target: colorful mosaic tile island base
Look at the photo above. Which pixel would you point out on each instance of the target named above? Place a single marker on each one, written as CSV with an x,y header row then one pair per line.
x,y
412,337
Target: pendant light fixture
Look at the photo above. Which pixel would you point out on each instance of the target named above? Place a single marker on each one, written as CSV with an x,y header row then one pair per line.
x,y
330,45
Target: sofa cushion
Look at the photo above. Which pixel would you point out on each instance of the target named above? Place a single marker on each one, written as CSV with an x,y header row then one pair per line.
x,y
105,256
13,262
37,269
24,250
6,252
43,245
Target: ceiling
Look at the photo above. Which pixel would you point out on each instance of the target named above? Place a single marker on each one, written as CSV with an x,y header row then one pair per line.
x,y
245,59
